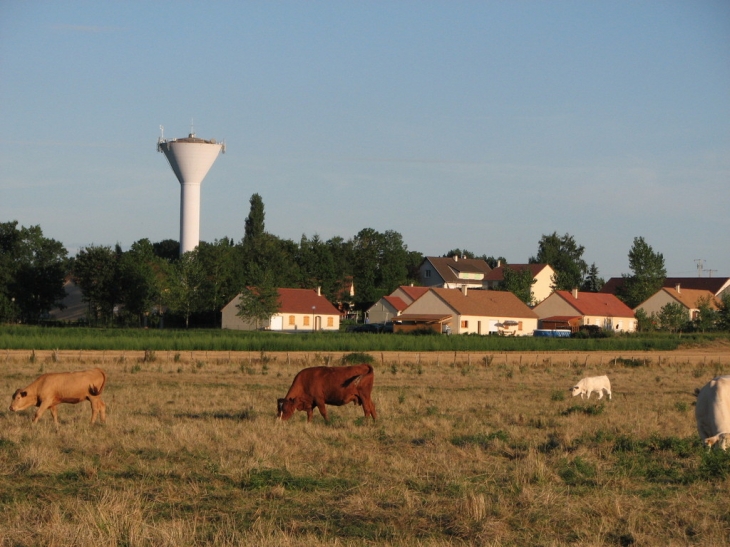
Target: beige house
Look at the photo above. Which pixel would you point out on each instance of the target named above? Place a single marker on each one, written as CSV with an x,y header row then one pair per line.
x,y
689,299
409,293
299,310
385,309
390,306
475,311
542,274
716,285
586,308
453,272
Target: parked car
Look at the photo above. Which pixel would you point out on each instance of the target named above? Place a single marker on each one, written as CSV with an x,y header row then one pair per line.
x,y
375,328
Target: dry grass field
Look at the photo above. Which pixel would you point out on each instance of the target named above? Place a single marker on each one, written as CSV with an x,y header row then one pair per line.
x,y
467,450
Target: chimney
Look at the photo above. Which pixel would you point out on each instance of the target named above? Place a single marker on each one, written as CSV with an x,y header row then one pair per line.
x,y
575,293
499,263
464,290
456,258
319,291
677,288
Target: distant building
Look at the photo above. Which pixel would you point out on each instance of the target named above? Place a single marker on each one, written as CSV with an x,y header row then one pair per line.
x,y
543,274
716,285
576,308
299,310
468,311
689,299
453,272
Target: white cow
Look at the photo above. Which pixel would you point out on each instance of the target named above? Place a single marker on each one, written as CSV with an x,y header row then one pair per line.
x,y
713,412
586,386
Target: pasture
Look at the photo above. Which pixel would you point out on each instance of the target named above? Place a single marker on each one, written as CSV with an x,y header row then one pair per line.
x,y
467,450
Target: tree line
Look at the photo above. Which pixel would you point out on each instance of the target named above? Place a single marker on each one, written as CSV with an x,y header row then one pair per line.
x,y
151,283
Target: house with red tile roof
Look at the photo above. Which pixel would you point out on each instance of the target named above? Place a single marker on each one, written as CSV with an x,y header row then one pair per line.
x,y
409,293
475,311
393,305
385,309
299,310
689,299
453,272
716,285
599,309
543,274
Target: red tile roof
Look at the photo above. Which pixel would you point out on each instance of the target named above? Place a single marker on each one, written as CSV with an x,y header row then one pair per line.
x,y
594,303
396,302
497,274
414,292
485,303
712,284
303,301
690,298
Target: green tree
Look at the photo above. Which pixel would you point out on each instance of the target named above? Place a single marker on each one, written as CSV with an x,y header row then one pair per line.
x,y
647,274
167,249
519,283
141,275
254,224
184,295
644,321
673,317
592,282
258,304
707,315
96,272
723,312
565,257
220,284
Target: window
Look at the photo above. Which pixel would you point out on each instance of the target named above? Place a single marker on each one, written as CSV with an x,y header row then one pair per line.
x,y
519,325
291,319
427,273
695,315
306,320
465,324
330,321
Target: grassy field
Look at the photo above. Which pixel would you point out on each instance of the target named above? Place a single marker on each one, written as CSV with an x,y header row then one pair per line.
x,y
465,451
76,338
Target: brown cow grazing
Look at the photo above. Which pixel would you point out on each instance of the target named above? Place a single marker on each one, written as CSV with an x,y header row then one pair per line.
x,y
316,387
50,390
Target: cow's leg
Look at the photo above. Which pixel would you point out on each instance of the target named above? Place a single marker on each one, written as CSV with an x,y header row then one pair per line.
x,y
600,394
102,409
94,408
609,393
41,410
322,410
369,408
54,413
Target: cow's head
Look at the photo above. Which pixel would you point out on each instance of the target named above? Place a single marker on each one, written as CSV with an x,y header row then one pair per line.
x,y
20,400
575,390
285,408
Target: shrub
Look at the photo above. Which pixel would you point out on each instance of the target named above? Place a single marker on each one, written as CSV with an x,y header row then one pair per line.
x,y
357,358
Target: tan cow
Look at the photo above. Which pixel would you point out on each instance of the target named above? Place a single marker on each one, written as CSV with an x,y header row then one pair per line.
x,y
50,390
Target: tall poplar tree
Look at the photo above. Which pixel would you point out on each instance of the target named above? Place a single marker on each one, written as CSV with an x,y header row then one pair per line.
x,y
647,274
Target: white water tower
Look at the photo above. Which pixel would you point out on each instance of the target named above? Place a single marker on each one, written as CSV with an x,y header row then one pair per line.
x,y
190,158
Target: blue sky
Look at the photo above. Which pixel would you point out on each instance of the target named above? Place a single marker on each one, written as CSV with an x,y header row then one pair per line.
x,y
477,125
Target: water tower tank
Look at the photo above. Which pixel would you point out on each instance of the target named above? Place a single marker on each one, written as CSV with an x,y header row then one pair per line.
x,y
190,158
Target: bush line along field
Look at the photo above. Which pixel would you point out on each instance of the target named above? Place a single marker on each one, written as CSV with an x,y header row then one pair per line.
x,y
465,452
39,338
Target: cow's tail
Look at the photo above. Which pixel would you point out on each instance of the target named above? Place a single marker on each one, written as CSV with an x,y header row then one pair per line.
x,y
95,390
355,380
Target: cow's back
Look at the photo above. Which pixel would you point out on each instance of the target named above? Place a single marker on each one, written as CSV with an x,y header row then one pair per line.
x,y
73,384
713,407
